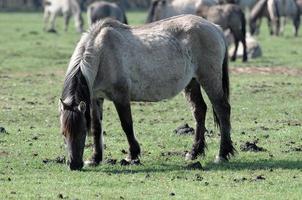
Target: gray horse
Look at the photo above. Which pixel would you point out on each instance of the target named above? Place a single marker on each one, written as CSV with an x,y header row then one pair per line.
x,y
228,16
283,8
161,9
156,61
67,8
101,9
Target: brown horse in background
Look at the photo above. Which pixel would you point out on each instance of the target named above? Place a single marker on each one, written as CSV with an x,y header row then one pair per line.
x,y
228,16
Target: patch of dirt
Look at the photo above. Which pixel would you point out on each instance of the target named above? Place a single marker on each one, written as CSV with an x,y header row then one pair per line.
x,y
198,178
194,166
237,180
266,70
2,130
172,194
251,146
3,153
124,151
111,161
293,147
58,160
259,178
184,130
174,153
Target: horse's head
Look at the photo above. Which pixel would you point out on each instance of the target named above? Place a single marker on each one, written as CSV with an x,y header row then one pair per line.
x,y
254,27
74,129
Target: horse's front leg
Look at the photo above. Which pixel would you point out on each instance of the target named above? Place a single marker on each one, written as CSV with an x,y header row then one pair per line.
x,y
124,112
277,26
46,19
66,20
270,26
96,131
53,17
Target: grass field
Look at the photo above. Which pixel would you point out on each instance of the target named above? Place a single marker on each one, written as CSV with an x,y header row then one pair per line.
x,y
266,107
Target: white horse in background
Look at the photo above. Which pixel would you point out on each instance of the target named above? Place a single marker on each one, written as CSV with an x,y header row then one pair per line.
x,y
67,8
162,9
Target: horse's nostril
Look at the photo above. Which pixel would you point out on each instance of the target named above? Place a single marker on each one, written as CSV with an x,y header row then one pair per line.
x,y
76,166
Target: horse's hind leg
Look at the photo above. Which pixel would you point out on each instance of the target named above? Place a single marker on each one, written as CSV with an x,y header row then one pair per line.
x,y
222,111
96,131
239,36
296,22
199,109
124,112
233,58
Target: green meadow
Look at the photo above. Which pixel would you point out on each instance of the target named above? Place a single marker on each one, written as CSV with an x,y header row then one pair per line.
x,y
266,104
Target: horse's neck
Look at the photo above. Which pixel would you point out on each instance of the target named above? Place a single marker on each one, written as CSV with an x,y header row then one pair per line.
x,y
258,10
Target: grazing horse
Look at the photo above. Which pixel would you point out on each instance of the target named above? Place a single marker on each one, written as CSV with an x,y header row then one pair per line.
x,y
228,16
283,8
161,9
53,8
156,61
101,9
257,13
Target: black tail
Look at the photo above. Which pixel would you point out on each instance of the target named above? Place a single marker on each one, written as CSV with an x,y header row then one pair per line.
x,y
225,83
243,23
125,19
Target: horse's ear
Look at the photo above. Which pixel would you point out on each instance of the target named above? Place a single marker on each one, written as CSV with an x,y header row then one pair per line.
x,y
62,105
82,107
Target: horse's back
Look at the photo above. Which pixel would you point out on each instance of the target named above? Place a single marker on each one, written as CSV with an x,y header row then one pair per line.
x,y
282,8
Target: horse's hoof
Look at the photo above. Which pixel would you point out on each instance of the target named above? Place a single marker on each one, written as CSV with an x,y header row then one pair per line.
x,y
189,156
90,163
128,161
51,31
220,160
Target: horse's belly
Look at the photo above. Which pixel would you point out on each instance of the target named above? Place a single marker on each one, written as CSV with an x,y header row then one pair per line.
x,y
160,83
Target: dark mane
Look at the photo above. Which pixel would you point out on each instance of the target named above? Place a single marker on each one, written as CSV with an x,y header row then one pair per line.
x,y
75,90
258,10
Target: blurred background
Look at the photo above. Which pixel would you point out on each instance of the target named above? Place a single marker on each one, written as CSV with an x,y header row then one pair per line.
x,y
37,5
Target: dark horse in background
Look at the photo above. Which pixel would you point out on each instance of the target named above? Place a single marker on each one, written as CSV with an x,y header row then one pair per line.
x,y
117,62
228,16
274,10
101,9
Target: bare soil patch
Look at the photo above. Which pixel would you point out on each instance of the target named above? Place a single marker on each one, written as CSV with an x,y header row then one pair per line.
x,y
266,70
